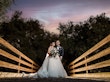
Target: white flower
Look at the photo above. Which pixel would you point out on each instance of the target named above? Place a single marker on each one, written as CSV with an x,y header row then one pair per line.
x,y
53,52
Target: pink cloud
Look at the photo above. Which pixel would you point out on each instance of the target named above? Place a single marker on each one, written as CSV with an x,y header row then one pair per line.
x,y
51,13
54,23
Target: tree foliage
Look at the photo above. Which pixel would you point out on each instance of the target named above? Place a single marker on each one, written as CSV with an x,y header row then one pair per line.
x,y
29,37
4,4
78,38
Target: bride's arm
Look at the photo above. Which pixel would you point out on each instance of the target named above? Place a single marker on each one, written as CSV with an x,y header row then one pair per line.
x,y
49,49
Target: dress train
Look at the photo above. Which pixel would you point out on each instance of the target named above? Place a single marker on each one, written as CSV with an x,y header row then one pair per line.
x,y
51,67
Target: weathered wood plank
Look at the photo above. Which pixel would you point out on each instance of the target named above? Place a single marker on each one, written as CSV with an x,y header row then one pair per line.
x,y
10,56
92,75
9,46
98,45
93,66
10,75
13,66
94,57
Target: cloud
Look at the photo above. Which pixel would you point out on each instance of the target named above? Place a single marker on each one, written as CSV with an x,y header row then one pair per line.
x,y
51,12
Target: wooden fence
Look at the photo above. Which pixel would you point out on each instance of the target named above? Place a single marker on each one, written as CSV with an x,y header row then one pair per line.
x,y
21,60
79,67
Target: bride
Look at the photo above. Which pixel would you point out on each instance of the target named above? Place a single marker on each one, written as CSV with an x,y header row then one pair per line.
x,y
52,65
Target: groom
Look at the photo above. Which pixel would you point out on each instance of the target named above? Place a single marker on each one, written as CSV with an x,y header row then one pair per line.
x,y
60,49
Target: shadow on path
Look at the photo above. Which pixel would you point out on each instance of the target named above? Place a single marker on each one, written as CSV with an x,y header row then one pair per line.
x,y
46,80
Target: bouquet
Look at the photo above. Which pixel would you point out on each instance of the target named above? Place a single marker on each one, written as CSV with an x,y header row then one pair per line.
x,y
53,52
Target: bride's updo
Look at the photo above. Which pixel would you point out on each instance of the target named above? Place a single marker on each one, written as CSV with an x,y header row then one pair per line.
x,y
52,44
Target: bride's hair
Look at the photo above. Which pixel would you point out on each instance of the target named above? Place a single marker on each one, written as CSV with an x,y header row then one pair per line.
x,y
51,43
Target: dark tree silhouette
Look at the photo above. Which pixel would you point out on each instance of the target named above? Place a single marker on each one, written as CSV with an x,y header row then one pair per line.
x,y
78,38
28,36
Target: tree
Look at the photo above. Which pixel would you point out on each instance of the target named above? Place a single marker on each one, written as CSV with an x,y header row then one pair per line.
x,y
28,36
78,38
4,4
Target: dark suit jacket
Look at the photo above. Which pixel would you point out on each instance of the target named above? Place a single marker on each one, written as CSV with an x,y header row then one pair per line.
x,y
61,51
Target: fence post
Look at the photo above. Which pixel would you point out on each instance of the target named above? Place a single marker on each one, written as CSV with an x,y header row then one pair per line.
x,y
71,69
19,64
32,66
86,66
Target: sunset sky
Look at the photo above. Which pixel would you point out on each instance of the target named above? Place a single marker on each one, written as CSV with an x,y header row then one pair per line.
x,y
52,12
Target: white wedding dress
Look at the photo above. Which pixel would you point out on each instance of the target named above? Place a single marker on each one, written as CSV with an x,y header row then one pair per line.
x,y
51,67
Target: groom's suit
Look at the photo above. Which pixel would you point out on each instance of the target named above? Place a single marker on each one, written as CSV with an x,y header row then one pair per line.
x,y
60,50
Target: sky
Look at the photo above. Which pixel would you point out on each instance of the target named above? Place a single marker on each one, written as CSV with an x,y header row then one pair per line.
x,y
53,12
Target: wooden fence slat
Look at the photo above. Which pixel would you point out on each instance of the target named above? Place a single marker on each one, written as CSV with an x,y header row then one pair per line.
x,y
9,46
94,66
7,55
10,75
12,66
98,45
94,57
92,75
